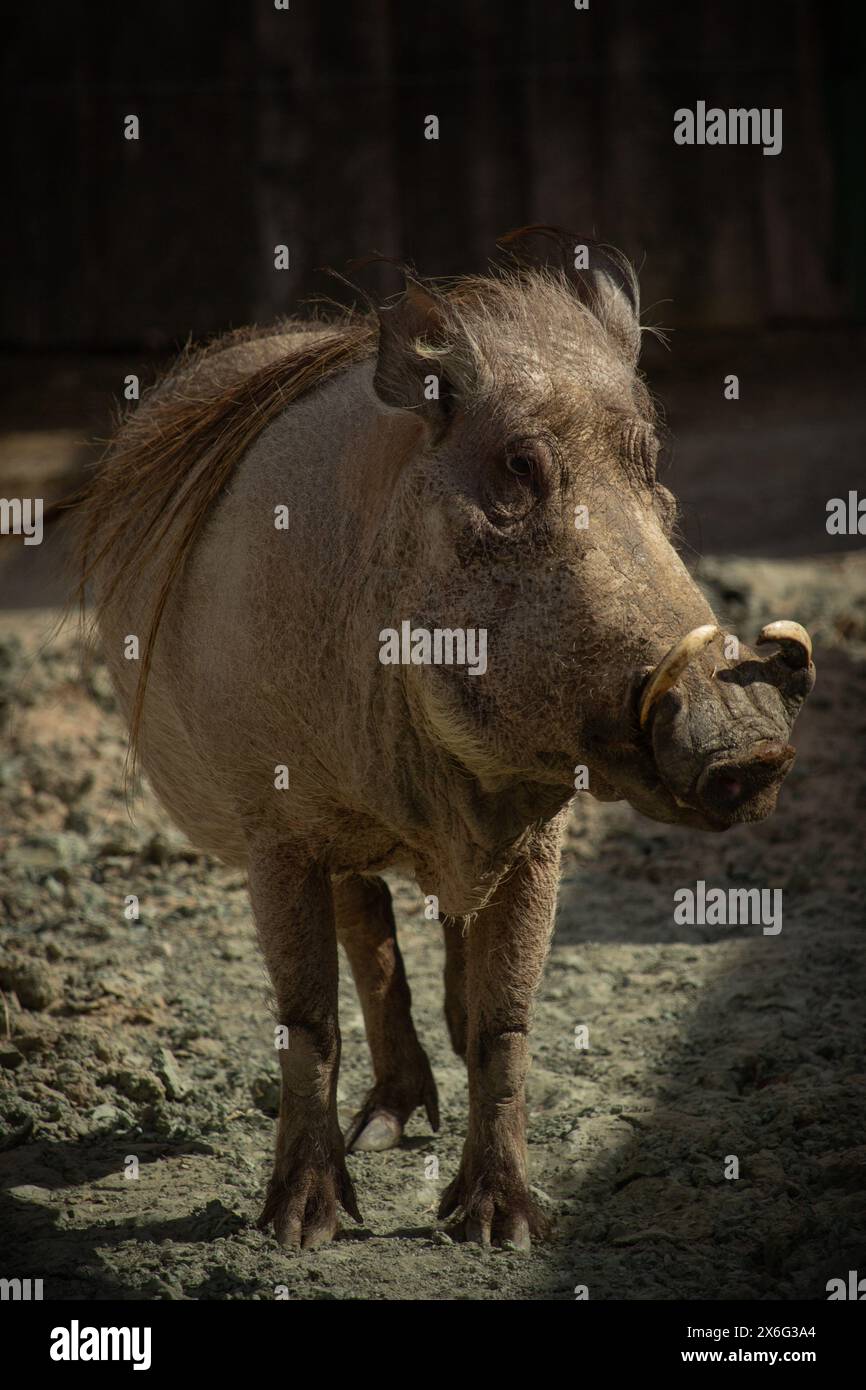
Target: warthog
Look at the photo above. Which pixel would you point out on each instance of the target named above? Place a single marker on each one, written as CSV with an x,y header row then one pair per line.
x,y
480,456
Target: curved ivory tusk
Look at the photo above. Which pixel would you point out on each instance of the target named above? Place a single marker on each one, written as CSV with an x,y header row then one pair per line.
x,y
671,666
794,640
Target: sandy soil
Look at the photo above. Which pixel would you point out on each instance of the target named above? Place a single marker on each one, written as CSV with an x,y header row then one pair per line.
x,y
147,1048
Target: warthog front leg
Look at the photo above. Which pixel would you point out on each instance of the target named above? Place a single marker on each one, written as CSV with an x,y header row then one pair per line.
x,y
403,1079
294,915
506,947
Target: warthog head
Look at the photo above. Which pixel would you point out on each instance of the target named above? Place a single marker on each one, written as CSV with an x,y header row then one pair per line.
x,y
536,514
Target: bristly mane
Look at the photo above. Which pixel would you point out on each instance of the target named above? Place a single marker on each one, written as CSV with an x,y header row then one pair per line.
x,y
174,453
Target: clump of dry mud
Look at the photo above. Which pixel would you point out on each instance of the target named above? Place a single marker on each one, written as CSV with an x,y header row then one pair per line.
x,y
138,1076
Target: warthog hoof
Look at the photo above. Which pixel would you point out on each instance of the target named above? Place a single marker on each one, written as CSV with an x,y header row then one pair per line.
x,y
302,1200
494,1210
380,1122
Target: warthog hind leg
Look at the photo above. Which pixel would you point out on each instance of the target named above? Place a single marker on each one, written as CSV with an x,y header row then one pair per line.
x,y
403,1079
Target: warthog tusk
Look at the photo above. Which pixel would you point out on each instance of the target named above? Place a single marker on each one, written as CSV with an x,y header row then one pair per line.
x,y
794,640
671,666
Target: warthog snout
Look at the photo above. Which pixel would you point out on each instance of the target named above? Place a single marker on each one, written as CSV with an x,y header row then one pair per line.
x,y
749,781
718,728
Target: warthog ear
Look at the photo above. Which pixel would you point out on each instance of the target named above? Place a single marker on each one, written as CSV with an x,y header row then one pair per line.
x,y
618,308
409,371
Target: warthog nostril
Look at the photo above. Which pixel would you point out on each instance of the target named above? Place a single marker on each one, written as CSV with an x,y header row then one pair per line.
x,y
728,788
750,780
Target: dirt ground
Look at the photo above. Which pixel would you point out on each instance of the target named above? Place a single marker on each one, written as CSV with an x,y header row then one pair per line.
x,y
138,1080
151,1040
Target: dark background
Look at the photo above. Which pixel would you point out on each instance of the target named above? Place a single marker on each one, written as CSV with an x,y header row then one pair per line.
x,y
306,127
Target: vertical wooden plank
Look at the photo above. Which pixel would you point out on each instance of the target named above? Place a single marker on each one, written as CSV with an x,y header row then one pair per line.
x,y
307,126
433,72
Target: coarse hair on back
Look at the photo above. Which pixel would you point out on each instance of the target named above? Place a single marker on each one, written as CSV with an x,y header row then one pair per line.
x,y
173,455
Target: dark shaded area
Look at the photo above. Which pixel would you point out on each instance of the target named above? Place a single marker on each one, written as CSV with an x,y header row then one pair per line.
x,y
38,1240
305,127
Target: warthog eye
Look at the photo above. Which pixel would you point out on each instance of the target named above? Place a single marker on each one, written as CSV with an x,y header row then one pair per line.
x,y
521,465
517,478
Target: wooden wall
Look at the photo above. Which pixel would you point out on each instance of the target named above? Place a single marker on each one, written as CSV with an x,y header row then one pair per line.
x,y
261,126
